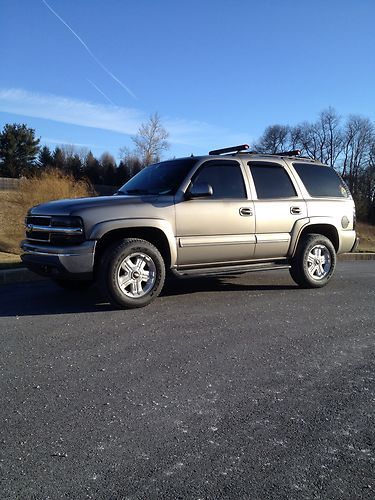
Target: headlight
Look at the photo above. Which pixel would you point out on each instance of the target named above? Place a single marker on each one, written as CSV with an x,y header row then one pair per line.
x,y
66,230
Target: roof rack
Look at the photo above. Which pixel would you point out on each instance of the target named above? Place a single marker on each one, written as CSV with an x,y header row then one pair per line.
x,y
232,149
294,152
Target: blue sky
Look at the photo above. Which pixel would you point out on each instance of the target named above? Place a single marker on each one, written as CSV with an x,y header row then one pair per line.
x,y
217,72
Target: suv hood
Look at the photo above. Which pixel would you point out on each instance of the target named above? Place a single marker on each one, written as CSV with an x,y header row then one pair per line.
x,y
76,205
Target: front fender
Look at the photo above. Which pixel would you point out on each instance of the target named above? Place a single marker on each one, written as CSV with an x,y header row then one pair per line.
x,y
102,228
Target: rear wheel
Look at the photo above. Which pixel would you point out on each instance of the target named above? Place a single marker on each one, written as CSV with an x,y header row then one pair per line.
x,y
132,273
314,262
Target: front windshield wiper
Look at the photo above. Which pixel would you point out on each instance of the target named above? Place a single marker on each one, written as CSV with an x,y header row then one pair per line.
x,y
135,191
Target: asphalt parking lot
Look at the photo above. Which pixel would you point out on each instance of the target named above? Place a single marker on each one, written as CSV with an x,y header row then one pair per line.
x,y
238,387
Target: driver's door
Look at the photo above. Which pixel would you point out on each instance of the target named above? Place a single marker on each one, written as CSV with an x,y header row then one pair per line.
x,y
219,229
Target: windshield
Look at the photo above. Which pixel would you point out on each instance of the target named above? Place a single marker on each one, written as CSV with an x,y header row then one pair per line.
x,y
160,178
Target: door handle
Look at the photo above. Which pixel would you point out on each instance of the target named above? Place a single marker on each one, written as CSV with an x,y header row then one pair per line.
x,y
246,211
295,210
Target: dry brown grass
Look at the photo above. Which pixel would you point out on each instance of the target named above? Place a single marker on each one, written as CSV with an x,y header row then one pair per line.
x,y
51,185
366,233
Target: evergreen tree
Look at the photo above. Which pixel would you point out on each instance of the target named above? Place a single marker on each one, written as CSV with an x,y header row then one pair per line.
x,y
18,149
73,165
45,158
122,173
107,169
91,168
59,159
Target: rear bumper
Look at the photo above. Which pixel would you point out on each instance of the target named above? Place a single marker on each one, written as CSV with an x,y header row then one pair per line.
x,y
74,262
348,241
355,246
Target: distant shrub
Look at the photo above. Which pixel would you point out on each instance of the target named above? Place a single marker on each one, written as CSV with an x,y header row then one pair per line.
x,y
47,186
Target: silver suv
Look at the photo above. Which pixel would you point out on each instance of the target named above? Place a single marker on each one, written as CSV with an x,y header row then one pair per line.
x,y
228,212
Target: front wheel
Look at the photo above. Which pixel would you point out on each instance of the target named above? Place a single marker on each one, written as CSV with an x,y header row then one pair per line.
x,y
132,273
314,262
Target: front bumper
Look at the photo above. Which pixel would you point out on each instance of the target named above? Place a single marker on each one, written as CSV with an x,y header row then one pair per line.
x,y
73,262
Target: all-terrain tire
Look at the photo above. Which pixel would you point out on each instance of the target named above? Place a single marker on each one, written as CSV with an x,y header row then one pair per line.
x,y
314,262
131,273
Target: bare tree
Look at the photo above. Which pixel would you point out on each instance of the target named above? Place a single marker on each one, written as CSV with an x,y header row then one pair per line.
x,y
151,140
275,139
323,139
359,139
71,150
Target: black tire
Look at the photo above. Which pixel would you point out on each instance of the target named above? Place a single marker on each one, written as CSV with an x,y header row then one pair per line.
x,y
315,261
132,273
73,284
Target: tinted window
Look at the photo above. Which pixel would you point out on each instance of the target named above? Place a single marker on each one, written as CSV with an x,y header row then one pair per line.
x,y
321,181
225,177
160,178
271,181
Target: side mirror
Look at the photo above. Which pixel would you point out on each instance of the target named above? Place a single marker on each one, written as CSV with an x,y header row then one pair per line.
x,y
199,190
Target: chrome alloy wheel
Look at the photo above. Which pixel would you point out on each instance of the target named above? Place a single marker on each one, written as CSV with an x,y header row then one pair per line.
x,y
319,262
136,275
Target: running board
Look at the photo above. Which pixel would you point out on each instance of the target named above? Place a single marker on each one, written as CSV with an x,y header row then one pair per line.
x,y
217,271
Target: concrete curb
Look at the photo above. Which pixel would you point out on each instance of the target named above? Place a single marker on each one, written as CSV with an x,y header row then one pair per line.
x,y
23,275
356,256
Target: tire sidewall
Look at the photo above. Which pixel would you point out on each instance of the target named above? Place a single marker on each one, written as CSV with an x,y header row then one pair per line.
x,y
112,261
309,242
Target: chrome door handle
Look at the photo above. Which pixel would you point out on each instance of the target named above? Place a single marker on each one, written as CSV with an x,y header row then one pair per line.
x,y
245,211
295,210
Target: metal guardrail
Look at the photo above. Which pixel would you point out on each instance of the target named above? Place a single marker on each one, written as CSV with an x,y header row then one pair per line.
x,y
7,184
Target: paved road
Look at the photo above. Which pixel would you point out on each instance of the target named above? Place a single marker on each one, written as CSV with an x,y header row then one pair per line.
x,y
243,387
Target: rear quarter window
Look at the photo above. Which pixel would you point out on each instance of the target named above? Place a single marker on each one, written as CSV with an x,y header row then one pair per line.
x,y
321,181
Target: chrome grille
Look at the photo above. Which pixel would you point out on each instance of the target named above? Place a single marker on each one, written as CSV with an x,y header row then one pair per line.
x,y
34,235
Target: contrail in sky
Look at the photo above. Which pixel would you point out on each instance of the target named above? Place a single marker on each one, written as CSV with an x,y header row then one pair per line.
x,y
114,77
101,92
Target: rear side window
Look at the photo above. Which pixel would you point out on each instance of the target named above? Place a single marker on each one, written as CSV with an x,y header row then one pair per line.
x,y
271,181
321,181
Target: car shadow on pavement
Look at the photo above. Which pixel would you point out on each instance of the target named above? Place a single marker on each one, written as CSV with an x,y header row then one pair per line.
x,y
226,283
46,298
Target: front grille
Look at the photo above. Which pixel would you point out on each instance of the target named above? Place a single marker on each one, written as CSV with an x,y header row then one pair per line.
x,y
54,230
34,235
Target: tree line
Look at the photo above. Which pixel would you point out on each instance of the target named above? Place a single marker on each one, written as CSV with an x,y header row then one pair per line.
x,y
21,155
348,145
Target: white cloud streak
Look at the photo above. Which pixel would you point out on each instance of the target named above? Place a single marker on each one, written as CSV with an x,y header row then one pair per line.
x,y
195,134
90,52
101,92
67,110
52,140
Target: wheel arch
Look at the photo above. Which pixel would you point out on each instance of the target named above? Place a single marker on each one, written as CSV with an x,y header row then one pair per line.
x,y
153,235
326,229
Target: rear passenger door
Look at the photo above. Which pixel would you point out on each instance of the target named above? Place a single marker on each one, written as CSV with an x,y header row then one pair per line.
x,y
278,204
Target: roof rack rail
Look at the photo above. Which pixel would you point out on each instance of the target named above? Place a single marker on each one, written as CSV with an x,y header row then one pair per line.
x,y
294,152
232,149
